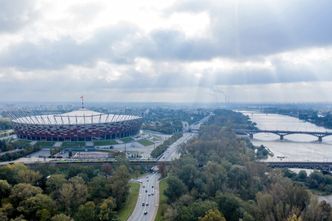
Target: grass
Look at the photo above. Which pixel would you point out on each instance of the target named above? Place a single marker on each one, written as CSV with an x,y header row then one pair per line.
x,y
104,142
127,139
130,204
73,144
22,143
162,199
44,144
145,142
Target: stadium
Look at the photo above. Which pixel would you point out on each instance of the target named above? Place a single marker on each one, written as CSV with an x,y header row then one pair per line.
x,y
79,125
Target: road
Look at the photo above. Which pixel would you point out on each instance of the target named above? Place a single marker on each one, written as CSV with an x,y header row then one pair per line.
x,y
172,151
150,180
148,199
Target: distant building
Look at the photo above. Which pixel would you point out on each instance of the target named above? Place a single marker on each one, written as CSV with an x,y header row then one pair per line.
x,y
79,125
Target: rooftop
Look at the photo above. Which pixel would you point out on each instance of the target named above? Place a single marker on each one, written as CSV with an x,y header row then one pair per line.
x,y
80,116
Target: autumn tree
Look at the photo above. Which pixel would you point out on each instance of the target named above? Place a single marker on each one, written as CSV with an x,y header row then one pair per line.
x,y
213,215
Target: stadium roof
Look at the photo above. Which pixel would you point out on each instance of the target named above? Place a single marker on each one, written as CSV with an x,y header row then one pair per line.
x,y
81,116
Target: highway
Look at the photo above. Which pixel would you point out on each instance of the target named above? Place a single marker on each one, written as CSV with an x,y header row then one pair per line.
x,y
148,199
150,180
172,151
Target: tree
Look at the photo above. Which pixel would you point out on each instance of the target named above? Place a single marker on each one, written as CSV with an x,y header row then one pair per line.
x,y
61,217
28,176
80,191
294,218
4,189
54,184
86,212
23,191
302,176
41,206
106,210
162,169
230,205
119,185
66,194
73,193
213,215
99,188
175,189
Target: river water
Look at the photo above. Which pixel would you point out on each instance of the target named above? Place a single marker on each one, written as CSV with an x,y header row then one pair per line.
x,y
295,147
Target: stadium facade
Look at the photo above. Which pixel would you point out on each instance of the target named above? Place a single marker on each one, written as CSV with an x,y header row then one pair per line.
x,y
79,125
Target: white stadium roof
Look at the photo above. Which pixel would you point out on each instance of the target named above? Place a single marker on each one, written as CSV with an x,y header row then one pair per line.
x,y
81,116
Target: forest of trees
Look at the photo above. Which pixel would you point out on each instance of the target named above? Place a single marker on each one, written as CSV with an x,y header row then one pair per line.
x,y
5,124
169,121
217,178
79,193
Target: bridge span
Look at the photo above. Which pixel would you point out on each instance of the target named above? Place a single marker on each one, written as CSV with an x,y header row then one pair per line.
x,y
323,166
144,163
282,133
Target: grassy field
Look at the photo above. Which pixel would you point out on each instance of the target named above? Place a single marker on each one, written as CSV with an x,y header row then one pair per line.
x,y
127,139
22,143
73,144
44,144
162,199
104,142
145,142
130,204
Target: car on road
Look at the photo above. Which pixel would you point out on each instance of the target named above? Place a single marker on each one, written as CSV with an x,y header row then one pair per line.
x,y
146,191
145,212
146,204
143,204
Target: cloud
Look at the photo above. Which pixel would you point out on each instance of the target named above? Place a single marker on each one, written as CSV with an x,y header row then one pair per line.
x,y
154,50
14,14
250,28
107,43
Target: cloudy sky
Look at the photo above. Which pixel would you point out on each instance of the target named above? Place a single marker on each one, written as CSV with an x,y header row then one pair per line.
x,y
172,51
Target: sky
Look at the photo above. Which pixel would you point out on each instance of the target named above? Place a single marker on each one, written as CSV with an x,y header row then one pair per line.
x,y
166,50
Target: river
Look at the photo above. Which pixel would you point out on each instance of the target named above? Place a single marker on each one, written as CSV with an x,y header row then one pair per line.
x,y
295,147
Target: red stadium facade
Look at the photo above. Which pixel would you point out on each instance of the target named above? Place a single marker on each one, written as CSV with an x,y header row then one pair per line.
x,y
80,125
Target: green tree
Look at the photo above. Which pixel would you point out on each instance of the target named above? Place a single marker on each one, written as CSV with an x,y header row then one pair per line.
x,y
99,188
61,217
66,194
213,215
54,183
4,189
28,176
39,206
23,191
119,185
106,210
86,212
175,189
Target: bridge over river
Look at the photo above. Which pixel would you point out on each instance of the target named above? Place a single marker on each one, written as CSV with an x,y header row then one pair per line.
x,y
323,166
282,133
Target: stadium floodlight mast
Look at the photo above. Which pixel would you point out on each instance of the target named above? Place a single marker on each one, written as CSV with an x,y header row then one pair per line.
x,y
82,101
